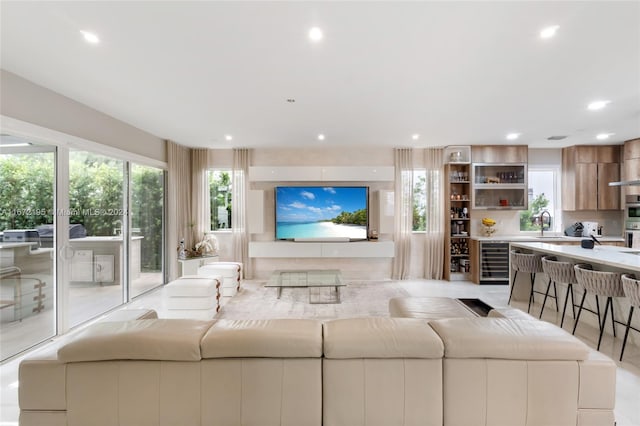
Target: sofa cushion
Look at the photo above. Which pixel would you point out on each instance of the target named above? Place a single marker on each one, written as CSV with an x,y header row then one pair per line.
x,y
152,339
276,338
502,338
380,338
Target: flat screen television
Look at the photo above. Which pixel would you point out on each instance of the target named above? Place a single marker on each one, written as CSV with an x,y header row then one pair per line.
x,y
329,213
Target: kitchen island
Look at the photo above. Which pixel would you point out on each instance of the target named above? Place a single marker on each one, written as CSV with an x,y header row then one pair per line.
x,y
602,258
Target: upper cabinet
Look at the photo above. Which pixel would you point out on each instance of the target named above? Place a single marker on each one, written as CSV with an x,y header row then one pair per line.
x,y
586,173
499,177
631,165
499,154
499,186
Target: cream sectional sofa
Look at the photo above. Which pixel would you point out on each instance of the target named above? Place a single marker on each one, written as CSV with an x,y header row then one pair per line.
x,y
360,371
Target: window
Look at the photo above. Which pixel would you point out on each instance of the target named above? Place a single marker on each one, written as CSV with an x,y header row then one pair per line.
x,y
542,196
220,193
419,200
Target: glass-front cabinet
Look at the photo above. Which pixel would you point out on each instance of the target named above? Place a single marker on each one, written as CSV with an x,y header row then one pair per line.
x,y
499,186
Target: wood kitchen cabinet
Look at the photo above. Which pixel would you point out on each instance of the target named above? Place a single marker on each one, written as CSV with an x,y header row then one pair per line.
x,y
586,173
500,154
631,165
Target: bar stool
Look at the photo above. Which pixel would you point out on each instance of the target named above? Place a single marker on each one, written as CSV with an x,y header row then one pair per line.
x,y
559,272
599,283
529,264
547,265
631,288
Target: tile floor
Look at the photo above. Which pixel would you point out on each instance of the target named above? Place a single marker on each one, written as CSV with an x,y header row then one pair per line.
x,y
628,379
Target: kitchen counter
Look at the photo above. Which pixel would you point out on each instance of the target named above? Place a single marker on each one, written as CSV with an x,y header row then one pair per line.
x,y
546,238
606,257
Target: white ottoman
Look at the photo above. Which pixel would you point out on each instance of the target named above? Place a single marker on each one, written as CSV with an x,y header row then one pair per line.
x,y
231,273
193,296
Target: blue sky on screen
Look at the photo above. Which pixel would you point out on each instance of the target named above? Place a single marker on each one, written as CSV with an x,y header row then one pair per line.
x,y
312,203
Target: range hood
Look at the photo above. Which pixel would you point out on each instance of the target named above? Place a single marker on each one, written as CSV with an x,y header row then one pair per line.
x,y
635,182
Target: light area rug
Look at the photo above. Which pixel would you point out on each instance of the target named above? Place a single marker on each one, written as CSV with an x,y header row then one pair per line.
x,y
359,299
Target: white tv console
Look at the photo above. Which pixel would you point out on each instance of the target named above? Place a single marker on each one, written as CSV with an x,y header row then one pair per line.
x,y
321,249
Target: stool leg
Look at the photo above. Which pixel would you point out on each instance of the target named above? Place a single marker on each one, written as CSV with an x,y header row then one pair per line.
x,y
566,299
573,302
626,333
606,309
513,285
555,295
544,301
533,280
613,319
598,310
584,295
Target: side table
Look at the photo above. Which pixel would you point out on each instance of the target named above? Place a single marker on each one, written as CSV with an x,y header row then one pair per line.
x,y
190,266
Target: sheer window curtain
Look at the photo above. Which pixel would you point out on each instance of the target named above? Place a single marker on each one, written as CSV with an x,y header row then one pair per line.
x,y
403,202
200,194
178,203
239,221
434,235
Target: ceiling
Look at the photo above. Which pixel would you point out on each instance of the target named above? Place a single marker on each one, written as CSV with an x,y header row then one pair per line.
x,y
456,73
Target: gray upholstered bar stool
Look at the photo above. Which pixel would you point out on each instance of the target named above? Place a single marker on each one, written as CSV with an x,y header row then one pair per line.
x,y
529,264
559,272
631,288
599,283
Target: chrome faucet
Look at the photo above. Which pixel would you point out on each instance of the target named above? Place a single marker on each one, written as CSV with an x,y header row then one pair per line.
x,y
117,230
542,221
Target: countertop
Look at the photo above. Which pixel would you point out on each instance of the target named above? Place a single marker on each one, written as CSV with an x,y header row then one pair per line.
x,y
547,238
618,257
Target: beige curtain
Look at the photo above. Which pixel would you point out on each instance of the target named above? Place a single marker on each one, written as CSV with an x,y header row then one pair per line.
x,y
200,198
239,222
434,236
403,223
179,204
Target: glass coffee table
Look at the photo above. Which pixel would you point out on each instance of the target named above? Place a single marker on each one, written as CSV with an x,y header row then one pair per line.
x,y
314,280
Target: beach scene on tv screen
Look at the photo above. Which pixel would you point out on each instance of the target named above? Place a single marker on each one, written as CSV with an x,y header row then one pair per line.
x,y
321,212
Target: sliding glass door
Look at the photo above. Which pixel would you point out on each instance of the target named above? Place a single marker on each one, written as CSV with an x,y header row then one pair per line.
x,y
27,273
82,232
147,228
96,235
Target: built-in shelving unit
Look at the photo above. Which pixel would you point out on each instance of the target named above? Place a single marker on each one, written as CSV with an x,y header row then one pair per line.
x,y
457,265
500,186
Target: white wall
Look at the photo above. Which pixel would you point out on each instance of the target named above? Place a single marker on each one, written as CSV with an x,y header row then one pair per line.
x,y
26,101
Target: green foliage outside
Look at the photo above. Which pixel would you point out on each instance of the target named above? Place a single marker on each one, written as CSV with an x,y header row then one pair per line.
x,y
358,217
529,219
220,195
147,206
96,185
419,197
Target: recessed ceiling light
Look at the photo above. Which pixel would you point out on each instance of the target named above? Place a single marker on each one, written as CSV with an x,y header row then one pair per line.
x,y
90,37
315,34
321,137
549,32
513,136
604,136
415,136
596,105
228,137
